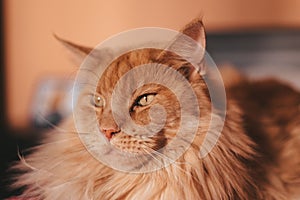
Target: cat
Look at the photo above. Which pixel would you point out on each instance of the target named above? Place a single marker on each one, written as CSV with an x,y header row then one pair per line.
x,y
257,155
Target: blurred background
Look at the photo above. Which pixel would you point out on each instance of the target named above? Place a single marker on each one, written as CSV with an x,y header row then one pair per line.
x,y
260,37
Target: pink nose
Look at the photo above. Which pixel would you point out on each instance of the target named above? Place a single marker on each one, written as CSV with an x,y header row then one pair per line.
x,y
109,132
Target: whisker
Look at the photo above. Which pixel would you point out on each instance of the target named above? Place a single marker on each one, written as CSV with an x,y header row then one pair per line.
x,y
174,162
148,153
166,157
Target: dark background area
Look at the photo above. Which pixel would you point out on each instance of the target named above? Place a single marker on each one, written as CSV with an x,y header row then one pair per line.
x,y
6,142
9,142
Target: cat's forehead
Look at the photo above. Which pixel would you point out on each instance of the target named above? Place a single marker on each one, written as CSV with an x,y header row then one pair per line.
x,y
124,64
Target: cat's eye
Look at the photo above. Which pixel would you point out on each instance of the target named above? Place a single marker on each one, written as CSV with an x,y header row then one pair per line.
x,y
97,101
145,99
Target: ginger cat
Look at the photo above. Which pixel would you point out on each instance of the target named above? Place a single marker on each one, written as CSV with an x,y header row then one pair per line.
x,y
257,155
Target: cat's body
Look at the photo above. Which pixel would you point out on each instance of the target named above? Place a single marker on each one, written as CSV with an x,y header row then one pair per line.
x,y
257,155
271,117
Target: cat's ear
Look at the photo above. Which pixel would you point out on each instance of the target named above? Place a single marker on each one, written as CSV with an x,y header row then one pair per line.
x,y
191,44
195,30
78,52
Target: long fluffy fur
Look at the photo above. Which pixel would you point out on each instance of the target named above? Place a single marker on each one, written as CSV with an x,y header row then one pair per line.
x,y
62,168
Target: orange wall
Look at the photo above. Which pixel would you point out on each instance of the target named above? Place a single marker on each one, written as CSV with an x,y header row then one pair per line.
x,y
32,53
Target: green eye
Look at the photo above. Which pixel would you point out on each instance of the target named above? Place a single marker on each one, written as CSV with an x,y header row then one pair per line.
x,y
145,100
97,101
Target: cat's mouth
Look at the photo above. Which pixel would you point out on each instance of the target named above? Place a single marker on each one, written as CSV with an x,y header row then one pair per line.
x,y
130,144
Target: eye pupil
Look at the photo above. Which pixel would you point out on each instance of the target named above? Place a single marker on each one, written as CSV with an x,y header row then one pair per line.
x,y
146,100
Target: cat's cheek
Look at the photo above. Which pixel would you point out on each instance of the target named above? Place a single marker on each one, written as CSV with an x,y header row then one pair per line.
x,y
141,116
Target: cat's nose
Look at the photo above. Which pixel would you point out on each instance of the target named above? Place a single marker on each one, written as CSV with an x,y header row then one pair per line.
x,y
109,132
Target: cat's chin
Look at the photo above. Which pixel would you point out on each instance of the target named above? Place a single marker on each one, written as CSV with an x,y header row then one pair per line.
x,y
129,160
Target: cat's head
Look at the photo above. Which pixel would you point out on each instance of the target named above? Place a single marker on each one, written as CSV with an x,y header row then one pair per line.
x,y
134,111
